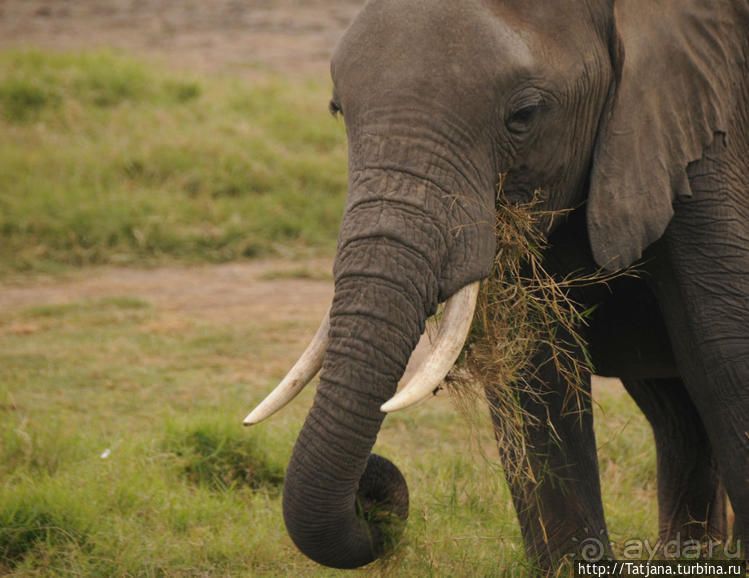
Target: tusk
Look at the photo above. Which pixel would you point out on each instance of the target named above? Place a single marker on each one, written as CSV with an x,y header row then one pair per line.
x,y
451,336
300,375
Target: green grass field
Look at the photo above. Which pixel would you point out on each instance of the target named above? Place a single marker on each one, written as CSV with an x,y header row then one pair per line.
x,y
122,453
105,159
121,449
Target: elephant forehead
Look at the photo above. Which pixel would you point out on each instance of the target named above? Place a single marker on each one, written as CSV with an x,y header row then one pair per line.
x,y
428,43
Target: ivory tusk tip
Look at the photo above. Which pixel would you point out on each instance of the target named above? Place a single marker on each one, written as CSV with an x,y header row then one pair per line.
x,y
451,337
397,403
303,371
390,407
253,418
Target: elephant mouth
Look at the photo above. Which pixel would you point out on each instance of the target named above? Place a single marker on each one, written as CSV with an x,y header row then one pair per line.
x,y
453,331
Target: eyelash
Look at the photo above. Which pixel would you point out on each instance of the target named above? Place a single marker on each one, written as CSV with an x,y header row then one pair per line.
x,y
523,116
335,108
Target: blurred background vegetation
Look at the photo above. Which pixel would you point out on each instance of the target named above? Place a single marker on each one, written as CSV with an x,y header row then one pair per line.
x,y
109,160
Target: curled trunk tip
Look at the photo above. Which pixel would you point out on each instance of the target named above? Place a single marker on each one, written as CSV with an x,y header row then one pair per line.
x,y
372,529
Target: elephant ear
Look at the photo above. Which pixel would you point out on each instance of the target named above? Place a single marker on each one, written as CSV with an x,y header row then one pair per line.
x,y
675,62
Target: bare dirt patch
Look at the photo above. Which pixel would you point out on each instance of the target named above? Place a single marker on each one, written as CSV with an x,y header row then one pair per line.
x,y
260,291
241,36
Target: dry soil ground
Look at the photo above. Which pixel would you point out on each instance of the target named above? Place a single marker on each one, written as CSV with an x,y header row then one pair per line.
x,y
291,36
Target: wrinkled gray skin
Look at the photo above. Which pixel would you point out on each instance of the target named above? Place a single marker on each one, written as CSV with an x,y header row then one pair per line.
x,y
635,111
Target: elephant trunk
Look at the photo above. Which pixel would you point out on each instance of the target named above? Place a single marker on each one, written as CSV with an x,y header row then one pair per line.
x,y
339,501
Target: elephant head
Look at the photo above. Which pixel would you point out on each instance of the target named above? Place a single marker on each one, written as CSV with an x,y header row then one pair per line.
x,y
440,98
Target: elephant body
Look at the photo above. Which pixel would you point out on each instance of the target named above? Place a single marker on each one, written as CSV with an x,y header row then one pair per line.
x,y
633,113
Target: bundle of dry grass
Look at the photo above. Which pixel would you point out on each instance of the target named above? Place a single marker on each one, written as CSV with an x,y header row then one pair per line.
x,y
522,308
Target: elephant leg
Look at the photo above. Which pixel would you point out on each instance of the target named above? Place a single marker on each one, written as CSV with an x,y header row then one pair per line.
x,y
691,496
738,531
557,495
701,272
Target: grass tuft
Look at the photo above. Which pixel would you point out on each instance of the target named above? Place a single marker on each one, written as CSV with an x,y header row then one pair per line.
x,y
38,85
31,520
222,457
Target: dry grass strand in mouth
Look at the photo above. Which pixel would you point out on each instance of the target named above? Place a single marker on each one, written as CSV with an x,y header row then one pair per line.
x,y
521,309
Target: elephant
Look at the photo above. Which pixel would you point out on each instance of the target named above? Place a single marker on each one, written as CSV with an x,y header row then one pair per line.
x,y
632,116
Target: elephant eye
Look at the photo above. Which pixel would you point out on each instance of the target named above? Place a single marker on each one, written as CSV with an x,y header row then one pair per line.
x,y
522,117
335,108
